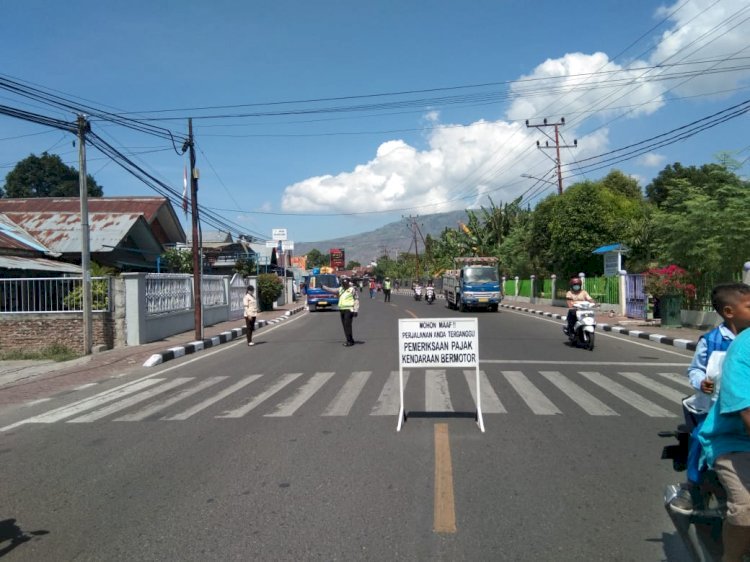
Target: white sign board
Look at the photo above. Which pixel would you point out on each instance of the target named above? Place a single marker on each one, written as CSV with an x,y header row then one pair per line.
x,y
271,243
288,245
278,233
612,263
438,342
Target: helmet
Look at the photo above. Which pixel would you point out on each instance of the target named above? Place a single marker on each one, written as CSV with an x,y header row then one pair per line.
x,y
575,281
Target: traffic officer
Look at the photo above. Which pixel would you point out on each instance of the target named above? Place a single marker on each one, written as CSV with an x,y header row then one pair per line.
x,y
348,305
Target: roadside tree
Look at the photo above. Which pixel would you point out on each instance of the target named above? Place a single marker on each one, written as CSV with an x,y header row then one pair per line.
x,y
46,176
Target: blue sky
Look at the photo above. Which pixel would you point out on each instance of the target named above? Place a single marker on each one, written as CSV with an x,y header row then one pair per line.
x,y
421,106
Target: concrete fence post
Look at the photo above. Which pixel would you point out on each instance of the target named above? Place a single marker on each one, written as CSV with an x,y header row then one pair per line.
x,y
623,292
532,296
135,307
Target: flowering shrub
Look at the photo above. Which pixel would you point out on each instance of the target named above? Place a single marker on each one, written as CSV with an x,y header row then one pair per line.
x,y
670,280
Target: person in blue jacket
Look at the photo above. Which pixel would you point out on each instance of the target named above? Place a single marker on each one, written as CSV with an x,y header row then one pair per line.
x,y
725,436
726,299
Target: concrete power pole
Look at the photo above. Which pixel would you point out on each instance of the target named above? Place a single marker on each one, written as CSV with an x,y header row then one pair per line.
x,y
197,262
84,127
557,146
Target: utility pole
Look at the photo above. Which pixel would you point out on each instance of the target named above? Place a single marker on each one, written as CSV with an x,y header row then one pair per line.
x,y
557,146
197,262
416,248
84,127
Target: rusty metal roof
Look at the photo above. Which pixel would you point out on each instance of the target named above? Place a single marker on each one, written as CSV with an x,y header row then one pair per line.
x,y
148,206
13,237
37,264
61,232
157,211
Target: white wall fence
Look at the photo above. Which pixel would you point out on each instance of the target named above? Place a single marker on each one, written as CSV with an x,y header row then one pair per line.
x,y
159,305
144,307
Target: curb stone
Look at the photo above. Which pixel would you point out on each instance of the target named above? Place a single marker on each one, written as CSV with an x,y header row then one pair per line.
x,y
224,337
658,338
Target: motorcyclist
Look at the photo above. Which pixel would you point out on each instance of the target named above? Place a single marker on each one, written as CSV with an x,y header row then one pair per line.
x,y
576,294
429,291
417,290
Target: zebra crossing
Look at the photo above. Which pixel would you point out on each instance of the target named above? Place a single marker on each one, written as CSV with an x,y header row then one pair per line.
x,y
540,392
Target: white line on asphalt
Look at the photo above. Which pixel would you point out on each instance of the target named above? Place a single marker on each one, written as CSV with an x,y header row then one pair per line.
x,y
87,385
623,337
37,401
538,402
490,402
677,377
605,363
273,389
436,396
651,384
342,404
583,398
131,400
213,399
162,404
82,405
628,396
137,382
288,407
389,401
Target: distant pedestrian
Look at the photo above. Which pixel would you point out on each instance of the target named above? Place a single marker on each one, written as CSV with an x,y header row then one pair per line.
x,y
387,289
372,288
250,304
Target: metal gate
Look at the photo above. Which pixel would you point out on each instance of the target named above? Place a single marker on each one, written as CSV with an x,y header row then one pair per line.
x,y
636,300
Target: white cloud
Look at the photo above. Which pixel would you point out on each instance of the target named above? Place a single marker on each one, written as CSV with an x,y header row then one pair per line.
x,y
705,30
461,165
579,85
652,160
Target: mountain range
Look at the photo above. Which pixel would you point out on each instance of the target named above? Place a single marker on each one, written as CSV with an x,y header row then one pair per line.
x,y
391,239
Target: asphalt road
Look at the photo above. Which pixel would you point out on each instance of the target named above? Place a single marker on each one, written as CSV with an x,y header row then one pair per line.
x,y
288,450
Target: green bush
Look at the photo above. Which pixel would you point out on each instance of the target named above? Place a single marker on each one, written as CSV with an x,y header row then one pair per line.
x,y
270,288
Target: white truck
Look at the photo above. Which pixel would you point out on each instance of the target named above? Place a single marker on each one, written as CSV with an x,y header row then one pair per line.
x,y
473,284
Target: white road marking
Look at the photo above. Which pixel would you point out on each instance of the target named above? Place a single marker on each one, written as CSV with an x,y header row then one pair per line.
x,y
620,336
389,401
538,402
273,389
302,395
651,384
628,396
680,378
342,404
437,397
490,402
86,404
213,399
163,404
582,362
130,401
587,401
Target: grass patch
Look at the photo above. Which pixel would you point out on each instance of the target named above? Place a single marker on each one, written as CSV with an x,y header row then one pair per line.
x,y
54,352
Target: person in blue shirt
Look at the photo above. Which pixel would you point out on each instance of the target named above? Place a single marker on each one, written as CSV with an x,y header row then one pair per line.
x,y
725,436
726,299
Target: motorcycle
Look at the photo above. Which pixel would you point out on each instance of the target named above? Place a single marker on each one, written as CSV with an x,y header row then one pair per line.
x,y
429,295
417,293
582,334
700,529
